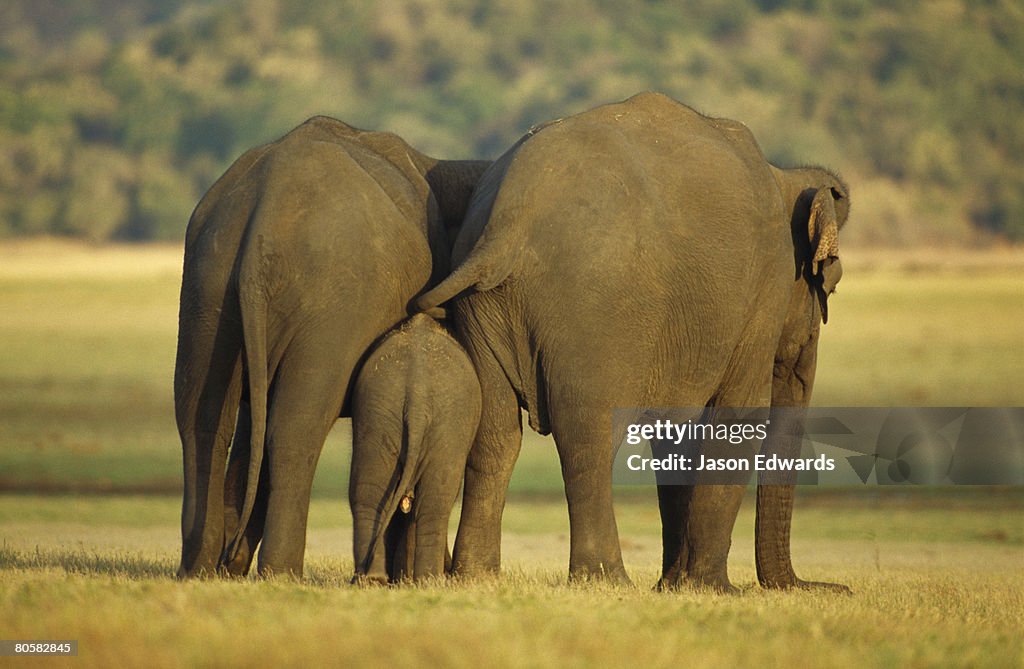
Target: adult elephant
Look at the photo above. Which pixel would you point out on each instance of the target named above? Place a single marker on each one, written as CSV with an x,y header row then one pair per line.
x,y
637,255
302,254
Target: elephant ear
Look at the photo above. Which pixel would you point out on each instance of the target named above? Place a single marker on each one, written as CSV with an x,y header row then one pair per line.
x,y
823,235
823,228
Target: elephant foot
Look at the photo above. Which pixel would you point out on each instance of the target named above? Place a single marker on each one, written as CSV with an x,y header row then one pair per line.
x,y
368,581
615,575
708,571
428,581
726,588
470,564
823,585
664,585
464,572
799,584
226,571
680,583
671,578
237,567
721,588
717,582
670,583
268,572
202,567
189,574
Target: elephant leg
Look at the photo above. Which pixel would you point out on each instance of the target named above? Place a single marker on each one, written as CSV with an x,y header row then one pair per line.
x,y
713,507
488,471
378,569
711,517
202,521
674,505
400,549
431,544
292,453
594,549
301,413
584,449
205,407
234,497
436,493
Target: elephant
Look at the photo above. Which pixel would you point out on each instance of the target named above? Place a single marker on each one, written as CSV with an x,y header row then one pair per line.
x,y
415,411
296,260
639,254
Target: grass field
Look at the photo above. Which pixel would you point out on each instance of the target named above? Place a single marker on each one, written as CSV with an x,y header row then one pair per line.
x,y
86,427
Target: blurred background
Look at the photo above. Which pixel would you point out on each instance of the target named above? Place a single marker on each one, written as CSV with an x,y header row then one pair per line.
x,y
116,115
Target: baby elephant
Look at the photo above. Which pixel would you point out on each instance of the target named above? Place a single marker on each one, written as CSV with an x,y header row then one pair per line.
x,y
415,412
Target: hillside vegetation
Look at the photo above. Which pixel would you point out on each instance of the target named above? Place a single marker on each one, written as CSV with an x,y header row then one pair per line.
x,y
116,116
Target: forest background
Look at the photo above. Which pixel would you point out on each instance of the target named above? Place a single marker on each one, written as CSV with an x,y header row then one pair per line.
x,y
116,116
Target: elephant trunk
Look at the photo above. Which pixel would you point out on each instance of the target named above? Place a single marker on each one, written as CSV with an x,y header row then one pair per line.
x,y
791,393
775,503
774,514
792,385
775,509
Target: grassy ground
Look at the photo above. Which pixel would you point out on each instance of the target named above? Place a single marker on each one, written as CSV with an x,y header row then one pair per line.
x,y
934,585
87,339
925,331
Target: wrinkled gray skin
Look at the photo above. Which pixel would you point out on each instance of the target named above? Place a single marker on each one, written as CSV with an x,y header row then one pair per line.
x,y
296,260
638,255
414,416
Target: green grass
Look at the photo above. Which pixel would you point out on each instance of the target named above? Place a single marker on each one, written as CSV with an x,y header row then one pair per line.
x,y
99,570
902,338
88,340
529,620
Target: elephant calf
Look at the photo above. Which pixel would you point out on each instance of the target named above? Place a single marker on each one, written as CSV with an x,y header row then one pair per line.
x,y
415,411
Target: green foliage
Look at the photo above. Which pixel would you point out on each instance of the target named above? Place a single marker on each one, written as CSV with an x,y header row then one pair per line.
x,y
114,127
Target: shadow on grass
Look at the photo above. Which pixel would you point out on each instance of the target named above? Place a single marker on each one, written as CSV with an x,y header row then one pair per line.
x,y
81,562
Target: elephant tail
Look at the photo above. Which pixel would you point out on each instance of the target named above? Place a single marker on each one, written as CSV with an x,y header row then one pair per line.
x,y
254,334
402,496
482,270
495,243
494,254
